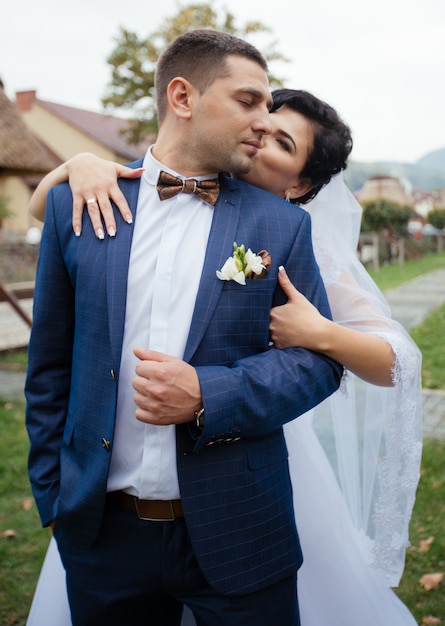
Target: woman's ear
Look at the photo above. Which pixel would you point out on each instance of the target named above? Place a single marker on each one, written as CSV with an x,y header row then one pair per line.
x,y
179,93
299,189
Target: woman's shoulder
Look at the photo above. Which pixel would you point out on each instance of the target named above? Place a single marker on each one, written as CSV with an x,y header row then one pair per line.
x,y
262,200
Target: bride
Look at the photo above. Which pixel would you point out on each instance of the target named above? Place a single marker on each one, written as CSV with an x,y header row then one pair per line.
x,y
355,458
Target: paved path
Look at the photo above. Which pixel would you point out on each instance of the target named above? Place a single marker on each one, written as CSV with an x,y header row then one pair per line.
x,y
410,304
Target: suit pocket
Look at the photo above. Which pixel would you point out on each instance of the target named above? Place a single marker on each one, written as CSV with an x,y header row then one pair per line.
x,y
258,285
244,311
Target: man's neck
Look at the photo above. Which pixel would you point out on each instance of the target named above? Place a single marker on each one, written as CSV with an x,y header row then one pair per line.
x,y
174,152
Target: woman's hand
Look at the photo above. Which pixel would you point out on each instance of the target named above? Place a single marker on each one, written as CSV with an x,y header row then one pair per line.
x,y
93,182
297,323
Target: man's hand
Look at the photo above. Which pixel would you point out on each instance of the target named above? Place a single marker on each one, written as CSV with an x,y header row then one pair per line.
x,y
167,389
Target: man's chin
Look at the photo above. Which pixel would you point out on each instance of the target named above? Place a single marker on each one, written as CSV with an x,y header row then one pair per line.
x,y
242,169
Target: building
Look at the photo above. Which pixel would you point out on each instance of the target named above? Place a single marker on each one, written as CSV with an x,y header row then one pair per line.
x,y
68,130
23,161
387,187
42,135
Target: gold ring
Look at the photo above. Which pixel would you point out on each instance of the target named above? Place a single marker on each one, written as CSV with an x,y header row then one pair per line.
x,y
91,201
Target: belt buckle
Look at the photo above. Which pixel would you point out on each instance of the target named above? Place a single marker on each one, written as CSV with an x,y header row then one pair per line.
x,y
155,519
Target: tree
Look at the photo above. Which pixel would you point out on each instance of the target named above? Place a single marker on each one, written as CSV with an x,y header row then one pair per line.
x,y
391,220
133,62
385,214
436,217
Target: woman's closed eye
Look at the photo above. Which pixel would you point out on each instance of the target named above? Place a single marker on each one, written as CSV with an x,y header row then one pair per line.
x,y
284,144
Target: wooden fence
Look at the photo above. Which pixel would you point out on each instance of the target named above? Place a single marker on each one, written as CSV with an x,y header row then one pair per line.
x,y
15,292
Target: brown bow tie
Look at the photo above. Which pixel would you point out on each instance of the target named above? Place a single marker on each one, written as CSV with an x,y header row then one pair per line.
x,y
168,186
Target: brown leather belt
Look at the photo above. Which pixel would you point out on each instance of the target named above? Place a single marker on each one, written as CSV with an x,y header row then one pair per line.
x,y
149,510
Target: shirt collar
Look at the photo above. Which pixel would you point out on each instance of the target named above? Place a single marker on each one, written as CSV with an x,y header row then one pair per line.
x,y
152,167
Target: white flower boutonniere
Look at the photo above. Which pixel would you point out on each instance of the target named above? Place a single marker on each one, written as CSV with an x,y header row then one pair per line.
x,y
244,264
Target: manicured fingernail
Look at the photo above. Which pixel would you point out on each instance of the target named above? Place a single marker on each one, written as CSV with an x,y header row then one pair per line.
x,y
100,233
77,231
281,268
111,232
129,219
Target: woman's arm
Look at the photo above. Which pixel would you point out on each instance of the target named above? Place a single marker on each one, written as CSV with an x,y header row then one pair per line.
x,y
299,324
37,204
91,178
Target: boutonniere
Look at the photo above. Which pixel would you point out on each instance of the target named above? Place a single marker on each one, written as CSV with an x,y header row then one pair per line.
x,y
244,264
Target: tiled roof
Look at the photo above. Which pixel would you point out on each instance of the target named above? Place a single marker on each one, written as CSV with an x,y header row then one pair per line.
x,y
105,129
20,151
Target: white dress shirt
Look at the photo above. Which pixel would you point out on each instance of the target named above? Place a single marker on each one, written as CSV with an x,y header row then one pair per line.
x,y
166,260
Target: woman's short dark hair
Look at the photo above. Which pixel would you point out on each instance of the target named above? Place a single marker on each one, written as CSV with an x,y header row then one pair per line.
x,y
332,138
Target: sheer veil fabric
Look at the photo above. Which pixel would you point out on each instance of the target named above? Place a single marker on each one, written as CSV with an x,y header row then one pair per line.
x,y
354,460
371,435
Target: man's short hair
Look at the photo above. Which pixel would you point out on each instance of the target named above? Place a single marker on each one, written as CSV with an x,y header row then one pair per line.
x,y
199,56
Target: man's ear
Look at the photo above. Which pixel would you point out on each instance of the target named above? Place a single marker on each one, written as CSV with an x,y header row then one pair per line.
x,y
179,94
299,189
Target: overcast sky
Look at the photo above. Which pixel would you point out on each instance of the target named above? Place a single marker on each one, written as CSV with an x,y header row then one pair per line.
x,y
380,63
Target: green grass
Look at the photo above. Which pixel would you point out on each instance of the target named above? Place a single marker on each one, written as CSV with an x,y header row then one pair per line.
x,y
390,276
427,521
430,337
14,360
20,556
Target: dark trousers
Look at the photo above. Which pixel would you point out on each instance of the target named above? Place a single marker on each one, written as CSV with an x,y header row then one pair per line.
x,y
142,573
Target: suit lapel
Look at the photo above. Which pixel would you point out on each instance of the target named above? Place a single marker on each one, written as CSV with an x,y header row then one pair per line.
x,y
117,270
219,248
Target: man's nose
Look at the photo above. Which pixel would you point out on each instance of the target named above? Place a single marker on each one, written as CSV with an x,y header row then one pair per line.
x,y
263,123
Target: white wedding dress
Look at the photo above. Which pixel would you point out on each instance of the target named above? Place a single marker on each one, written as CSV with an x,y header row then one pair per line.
x,y
354,459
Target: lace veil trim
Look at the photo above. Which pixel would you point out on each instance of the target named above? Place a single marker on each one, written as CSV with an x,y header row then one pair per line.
x,y
371,435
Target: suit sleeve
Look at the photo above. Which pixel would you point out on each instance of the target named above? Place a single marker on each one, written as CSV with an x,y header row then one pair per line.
x,y
260,393
49,368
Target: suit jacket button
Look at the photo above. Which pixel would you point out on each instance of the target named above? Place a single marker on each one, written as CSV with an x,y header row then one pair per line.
x,y
106,443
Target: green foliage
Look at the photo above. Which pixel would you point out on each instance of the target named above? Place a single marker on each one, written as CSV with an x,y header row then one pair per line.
x,y
133,62
5,211
384,214
436,217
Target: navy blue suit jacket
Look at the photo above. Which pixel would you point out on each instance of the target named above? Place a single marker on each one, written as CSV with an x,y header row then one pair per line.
x,y
233,476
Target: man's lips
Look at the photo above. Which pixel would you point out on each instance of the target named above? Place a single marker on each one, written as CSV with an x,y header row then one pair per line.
x,y
252,146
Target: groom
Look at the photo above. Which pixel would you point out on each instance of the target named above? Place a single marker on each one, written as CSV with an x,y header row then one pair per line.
x,y
154,403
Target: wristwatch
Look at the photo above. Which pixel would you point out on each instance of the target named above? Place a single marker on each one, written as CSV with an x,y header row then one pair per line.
x,y
199,418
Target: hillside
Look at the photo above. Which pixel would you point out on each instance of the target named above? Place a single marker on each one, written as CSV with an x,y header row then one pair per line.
x,y
427,174
433,160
